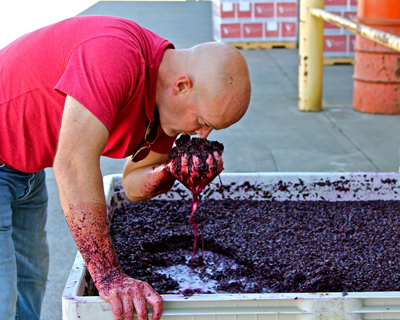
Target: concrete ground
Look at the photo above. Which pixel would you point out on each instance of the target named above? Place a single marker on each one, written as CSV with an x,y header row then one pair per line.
x,y
272,137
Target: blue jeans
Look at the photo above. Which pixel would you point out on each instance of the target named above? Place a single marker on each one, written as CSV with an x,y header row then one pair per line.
x,y
24,252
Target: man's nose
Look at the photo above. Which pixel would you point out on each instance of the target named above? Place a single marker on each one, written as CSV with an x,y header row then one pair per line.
x,y
204,132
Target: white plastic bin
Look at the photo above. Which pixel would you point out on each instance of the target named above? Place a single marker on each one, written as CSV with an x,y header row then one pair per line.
x,y
285,306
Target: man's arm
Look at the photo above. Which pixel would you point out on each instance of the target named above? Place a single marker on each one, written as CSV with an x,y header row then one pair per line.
x,y
77,171
148,178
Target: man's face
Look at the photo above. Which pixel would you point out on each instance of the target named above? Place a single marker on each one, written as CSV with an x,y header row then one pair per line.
x,y
189,115
191,121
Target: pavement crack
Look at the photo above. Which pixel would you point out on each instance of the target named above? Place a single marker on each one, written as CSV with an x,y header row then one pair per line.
x,y
334,123
274,160
293,81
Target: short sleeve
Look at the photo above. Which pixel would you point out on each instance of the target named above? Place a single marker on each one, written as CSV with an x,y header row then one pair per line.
x,y
101,74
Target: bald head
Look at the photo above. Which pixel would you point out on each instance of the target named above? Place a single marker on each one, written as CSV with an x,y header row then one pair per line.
x,y
206,86
220,79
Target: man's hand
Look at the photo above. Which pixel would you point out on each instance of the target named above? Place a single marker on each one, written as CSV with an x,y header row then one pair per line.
x,y
198,174
126,294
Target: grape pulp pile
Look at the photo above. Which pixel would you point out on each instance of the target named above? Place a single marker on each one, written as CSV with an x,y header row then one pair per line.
x,y
277,246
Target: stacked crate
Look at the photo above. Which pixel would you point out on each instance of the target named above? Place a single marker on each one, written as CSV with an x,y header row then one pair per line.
x,y
256,24
338,42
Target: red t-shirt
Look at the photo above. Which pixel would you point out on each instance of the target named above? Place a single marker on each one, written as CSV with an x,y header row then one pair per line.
x,y
108,64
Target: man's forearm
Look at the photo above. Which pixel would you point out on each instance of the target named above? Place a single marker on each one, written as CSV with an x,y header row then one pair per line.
x,y
147,182
87,223
82,199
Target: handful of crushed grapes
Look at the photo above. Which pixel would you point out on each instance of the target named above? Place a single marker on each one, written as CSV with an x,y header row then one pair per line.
x,y
195,147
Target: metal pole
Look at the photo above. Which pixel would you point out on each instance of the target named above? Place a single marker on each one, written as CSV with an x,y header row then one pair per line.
x,y
311,39
383,38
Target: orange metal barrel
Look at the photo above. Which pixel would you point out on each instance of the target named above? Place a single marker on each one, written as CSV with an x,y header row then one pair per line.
x,y
377,68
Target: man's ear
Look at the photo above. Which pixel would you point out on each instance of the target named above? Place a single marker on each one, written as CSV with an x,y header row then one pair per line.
x,y
182,84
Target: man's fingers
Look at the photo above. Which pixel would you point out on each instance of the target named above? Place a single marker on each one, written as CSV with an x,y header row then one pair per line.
x,y
140,306
194,169
220,164
184,166
127,295
155,300
215,165
157,311
127,305
117,307
199,171
211,170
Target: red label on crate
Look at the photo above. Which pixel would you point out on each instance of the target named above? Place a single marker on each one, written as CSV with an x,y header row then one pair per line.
x,y
252,30
352,42
286,9
335,43
335,2
331,26
264,10
349,14
289,29
227,10
230,30
353,3
272,29
244,9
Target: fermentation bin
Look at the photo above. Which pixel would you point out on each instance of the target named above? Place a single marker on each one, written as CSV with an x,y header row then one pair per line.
x,y
300,306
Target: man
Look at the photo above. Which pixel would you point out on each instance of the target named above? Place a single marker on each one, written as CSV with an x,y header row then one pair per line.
x,y
86,87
